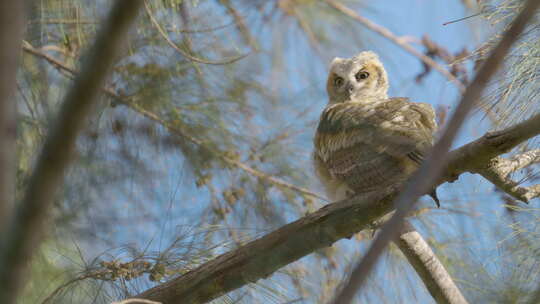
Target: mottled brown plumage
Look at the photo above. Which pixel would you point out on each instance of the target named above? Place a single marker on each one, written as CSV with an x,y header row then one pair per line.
x,y
366,141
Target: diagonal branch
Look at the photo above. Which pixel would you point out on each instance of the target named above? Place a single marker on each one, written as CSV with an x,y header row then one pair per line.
x,y
24,231
260,258
426,264
422,180
430,269
396,40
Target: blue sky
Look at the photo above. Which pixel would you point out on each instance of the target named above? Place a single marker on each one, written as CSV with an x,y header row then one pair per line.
x,y
300,81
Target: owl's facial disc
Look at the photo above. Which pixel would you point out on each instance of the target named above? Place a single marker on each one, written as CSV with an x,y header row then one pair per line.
x,y
351,86
358,79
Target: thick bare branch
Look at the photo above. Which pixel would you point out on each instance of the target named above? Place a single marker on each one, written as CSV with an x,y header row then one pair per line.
x,y
23,234
260,258
422,181
12,25
432,272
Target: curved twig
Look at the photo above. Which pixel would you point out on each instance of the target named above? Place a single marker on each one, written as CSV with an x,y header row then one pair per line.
x,y
163,34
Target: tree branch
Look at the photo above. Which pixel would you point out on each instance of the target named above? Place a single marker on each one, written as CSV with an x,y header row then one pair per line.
x,y
23,234
431,271
396,40
12,26
426,264
260,258
421,182
499,169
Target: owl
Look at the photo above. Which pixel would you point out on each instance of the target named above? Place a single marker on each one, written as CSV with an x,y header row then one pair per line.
x,y
365,140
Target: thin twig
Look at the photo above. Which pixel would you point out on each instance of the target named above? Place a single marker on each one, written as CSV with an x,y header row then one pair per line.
x,y
165,36
176,130
65,21
431,169
240,24
24,231
398,41
136,301
201,30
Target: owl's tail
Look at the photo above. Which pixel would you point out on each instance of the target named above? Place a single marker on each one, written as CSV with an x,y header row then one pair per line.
x,y
433,195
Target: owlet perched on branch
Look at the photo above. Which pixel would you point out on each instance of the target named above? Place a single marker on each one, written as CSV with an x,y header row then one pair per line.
x,y
365,140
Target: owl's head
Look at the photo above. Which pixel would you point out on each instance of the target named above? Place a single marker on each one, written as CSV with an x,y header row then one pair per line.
x,y
361,78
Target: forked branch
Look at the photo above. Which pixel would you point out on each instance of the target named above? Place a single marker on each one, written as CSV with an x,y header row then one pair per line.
x,y
499,169
260,258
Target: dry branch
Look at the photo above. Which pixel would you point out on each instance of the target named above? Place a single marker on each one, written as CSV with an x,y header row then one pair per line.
x,y
499,169
24,231
260,258
426,264
12,25
432,168
397,40
63,67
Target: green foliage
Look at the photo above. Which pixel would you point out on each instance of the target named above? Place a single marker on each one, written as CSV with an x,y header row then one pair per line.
x,y
512,94
186,138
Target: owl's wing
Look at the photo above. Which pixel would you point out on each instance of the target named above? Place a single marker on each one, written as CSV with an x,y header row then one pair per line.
x,y
369,144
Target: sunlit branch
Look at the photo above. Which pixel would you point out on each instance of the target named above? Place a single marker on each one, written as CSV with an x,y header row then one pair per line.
x,y
262,257
422,181
499,169
438,281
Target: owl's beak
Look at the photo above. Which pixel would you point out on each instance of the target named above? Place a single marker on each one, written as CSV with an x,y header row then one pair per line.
x,y
349,87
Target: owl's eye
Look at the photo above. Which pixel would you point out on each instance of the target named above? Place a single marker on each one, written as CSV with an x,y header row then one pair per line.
x,y
361,75
338,81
